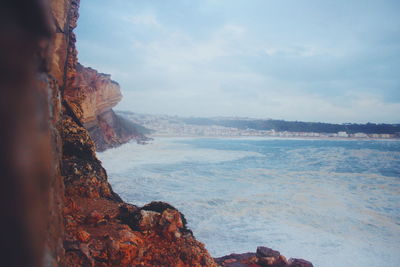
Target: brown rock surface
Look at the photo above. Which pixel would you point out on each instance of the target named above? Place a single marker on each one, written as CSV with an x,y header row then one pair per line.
x,y
101,230
91,96
264,257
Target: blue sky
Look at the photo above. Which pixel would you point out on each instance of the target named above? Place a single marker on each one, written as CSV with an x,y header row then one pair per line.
x,y
326,60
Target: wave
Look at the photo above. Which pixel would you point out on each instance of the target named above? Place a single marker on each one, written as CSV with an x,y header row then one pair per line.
x,y
304,199
164,151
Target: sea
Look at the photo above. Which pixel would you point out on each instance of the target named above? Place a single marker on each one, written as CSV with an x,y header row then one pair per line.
x,y
332,202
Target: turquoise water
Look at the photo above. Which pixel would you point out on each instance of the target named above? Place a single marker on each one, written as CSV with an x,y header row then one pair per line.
x,y
336,203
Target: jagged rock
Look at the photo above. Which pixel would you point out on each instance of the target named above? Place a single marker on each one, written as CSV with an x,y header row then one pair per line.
x,y
117,233
160,207
94,217
267,252
299,263
232,260
264,257
149,220
279,261
83,236
91,96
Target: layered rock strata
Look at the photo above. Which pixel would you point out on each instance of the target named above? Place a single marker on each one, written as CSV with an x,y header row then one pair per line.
x,y
92,95
58,208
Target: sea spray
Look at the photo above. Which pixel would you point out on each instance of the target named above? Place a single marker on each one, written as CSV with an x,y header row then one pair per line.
x,y
316,199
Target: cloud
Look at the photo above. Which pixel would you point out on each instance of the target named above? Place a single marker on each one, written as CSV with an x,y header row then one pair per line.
x,y
196,80
144,19
263,105
271,61
175,48
297,51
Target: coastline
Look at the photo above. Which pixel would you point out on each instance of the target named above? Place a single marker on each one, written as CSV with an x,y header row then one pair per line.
x,y
273,137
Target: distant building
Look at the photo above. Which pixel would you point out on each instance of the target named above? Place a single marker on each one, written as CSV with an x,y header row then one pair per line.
x,y
342,134
360,135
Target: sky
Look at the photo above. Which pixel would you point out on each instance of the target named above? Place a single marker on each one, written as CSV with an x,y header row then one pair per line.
x,y
308,60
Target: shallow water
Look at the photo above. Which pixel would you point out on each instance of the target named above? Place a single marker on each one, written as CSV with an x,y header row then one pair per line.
x,y
336,203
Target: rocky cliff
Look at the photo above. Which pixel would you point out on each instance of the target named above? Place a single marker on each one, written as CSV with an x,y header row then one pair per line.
x,y
57,206
92,95
102,230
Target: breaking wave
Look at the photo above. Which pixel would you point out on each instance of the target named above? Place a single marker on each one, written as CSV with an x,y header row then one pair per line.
x,y
336,203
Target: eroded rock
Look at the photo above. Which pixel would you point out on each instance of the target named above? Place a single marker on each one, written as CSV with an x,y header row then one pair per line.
x,y
264,257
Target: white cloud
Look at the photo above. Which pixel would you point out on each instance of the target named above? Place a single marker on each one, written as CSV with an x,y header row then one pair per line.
x,y
175,48
297,51
193,79
234,67
145,19
271,104
233,30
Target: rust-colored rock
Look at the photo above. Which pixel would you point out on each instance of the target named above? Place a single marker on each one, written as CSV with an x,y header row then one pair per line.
x,y
92,95
118,234
266,252
299,263
264,257
83,236
94,217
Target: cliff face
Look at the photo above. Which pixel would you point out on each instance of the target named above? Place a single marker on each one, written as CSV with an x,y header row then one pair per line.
x,y
33,53
100,229
58,208
92,95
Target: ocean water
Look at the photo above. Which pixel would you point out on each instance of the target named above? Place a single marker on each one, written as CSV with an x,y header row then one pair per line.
x,y
334,202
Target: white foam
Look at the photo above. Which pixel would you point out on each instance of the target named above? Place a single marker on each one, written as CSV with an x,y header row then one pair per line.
x,y
164,151
341,213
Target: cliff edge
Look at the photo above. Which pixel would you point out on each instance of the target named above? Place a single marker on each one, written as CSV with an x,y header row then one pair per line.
x,y
92,95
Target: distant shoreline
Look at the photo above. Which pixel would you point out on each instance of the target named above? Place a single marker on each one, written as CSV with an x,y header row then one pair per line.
x,y
275,137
